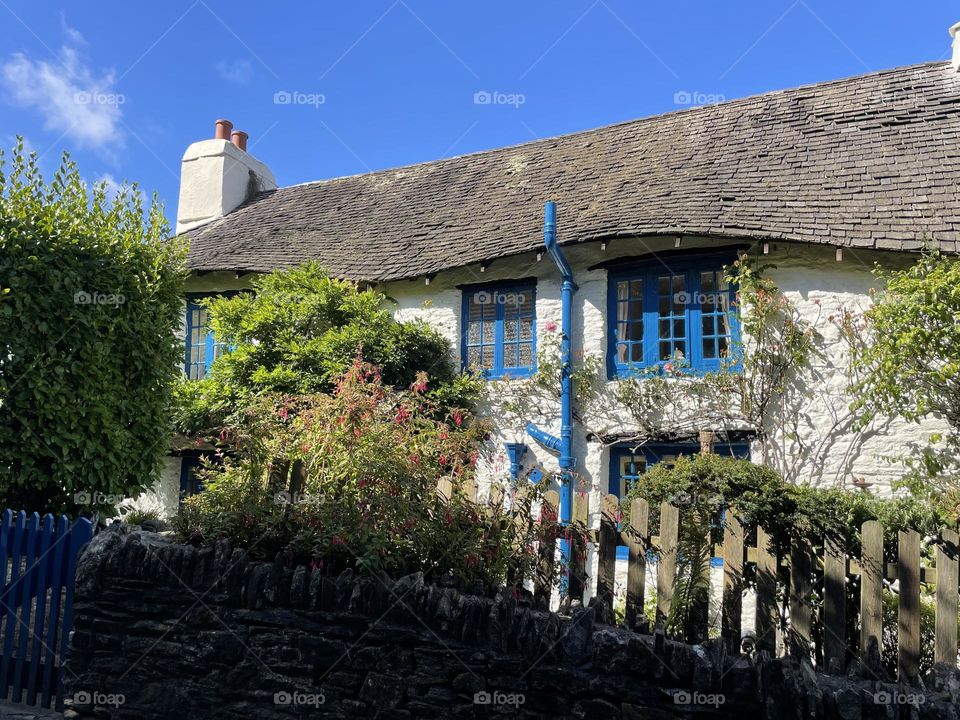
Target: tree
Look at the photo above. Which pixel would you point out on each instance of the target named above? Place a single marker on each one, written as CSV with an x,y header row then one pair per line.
x,y
90,304
297,333
908,357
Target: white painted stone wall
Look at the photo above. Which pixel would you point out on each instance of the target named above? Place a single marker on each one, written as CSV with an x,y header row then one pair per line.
x,y
820,450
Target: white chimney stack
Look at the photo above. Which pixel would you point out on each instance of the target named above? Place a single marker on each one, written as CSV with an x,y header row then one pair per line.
x,y
955,34
217,176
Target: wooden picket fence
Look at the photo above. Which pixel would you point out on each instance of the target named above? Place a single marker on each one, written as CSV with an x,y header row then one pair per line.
x,y
800,566
37,559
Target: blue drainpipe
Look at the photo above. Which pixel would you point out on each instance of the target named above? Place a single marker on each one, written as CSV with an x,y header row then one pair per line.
x,y
563,444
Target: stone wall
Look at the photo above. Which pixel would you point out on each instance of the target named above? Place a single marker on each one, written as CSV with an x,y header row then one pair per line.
x,y
163,630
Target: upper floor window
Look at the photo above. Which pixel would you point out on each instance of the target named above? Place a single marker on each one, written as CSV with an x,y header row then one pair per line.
x,y
499,330
202,347
670,312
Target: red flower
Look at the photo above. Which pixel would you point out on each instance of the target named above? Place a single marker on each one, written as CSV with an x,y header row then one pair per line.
x,y
457,418
551,326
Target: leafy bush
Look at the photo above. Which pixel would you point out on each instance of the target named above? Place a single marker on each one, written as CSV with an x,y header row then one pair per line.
x,y
350,480
89,307
706,488
297,333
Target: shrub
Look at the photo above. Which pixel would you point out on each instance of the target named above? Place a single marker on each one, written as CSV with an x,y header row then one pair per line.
x,y
297,333
90,300
350,480
706,488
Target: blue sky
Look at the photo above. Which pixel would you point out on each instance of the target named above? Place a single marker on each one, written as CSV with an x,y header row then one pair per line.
x,y
329,89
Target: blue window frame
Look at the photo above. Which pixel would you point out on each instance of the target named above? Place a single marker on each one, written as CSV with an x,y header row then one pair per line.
x,y
677,310
627,464
202,347
499,333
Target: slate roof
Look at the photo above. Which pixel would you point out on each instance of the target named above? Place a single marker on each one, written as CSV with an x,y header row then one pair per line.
x,y
865,162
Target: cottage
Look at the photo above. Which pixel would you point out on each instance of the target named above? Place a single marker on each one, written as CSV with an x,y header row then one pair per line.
x,y
821,182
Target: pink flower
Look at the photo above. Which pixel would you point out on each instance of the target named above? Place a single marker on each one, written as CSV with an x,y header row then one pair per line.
x,y
668,367
551,326
457,418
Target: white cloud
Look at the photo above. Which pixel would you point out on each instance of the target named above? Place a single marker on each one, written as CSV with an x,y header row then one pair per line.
x,y
238,72
72,98
73,35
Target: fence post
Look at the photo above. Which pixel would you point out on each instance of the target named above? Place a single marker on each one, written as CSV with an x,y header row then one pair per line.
x,y
578,549
637,542
871,588
908,614
667,562
549,512
732,607
947,596
834,606
607,549
800,589
766,594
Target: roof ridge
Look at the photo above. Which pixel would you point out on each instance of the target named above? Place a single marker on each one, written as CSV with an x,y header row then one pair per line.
x,y
633,121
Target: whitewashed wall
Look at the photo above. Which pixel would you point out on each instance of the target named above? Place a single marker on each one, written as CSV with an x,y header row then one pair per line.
x,y
822,449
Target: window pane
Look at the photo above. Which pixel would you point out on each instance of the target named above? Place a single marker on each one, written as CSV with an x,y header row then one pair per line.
x,y
636,332
706,281
664,350
723,346
526,328
663,285
473,333
623,290
526,355
636,288
486,357
636,353
473,357
680,349
709,349
510,330
664,329
709,325
622,353
679,328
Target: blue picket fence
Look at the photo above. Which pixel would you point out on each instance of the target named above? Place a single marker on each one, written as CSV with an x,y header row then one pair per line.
x,y
37,559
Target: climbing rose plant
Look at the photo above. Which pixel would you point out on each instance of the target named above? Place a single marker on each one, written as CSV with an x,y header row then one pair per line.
x,y
90,298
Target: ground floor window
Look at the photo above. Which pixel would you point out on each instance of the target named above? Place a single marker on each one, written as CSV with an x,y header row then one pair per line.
x,y
628,462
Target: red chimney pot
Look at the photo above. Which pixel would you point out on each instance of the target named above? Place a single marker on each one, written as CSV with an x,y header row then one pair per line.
x,y
239,138
223,129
